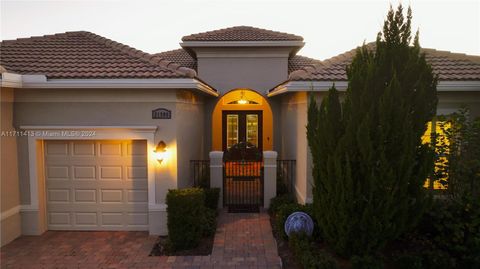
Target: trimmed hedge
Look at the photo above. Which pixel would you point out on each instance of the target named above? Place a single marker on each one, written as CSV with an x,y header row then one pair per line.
x,y
211,197
185,207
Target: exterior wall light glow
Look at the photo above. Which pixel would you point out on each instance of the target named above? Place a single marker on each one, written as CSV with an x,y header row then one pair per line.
x,y
242,100
160,151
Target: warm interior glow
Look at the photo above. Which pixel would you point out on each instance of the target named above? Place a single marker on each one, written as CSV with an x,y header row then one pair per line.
x,y
242,102
442,160
230,101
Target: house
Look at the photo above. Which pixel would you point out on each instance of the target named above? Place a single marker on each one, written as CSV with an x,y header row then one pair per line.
x,y
94,132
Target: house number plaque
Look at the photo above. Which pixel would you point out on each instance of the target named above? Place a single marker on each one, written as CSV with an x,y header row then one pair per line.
x,y
161,113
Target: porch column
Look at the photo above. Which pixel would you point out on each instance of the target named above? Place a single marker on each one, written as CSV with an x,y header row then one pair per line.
x,y
216,173
269,176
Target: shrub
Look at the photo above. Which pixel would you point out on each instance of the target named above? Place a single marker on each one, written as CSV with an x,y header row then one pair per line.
x,y
408,261
278,201
454,228
185,207
302,249
211,197
366,262
438,259
369,163
209,222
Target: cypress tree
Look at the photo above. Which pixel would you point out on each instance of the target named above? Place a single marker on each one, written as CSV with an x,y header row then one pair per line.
x,y
369,163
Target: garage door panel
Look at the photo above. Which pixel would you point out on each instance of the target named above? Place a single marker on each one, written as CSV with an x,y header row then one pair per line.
x,y
86,218
96,185
112,196
57,148
84,172
84,148
57,172
85,196
110,172
137,172
58,195
112,218
137,196
137,148
110,149
59,218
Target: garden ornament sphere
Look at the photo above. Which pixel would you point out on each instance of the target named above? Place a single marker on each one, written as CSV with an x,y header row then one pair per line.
x,y
299,222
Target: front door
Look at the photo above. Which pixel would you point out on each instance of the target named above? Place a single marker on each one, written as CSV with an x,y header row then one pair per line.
x,y
242,126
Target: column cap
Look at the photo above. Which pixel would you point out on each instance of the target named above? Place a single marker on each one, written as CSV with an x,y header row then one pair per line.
x,y
216,154
270,154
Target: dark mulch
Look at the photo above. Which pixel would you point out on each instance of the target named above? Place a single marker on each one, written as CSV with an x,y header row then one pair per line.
x,y
288,259
203,249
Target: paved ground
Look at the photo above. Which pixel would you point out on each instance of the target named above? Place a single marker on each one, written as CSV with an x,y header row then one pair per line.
x,y
241,241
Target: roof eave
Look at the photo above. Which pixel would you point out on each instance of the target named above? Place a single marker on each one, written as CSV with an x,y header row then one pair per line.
x,y
41,82
341,85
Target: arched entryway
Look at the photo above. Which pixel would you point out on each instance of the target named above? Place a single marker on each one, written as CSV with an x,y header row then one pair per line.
x,y
242,115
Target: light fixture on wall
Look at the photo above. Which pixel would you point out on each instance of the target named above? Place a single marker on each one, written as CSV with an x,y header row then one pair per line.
x,y
160,151
242,100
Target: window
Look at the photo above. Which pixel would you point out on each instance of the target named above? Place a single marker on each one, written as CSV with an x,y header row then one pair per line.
x,y
441,152
232,130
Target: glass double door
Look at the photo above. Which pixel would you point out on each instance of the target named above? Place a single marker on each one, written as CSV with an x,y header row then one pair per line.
x,y
242,126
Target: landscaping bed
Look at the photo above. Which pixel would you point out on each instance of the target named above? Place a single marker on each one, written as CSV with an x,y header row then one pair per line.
x,y
447,237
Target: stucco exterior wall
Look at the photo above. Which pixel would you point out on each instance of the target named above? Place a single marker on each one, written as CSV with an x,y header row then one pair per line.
x,y
190,134
259,69
119,107
294,143
10,196
449,102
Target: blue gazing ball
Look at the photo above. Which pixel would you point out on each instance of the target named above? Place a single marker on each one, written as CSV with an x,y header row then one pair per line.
x,y
299,222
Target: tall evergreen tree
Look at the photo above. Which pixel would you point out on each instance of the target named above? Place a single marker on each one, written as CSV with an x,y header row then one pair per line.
x,y
369,163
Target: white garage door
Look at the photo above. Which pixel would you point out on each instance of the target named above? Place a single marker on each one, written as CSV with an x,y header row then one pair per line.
x,y
96,185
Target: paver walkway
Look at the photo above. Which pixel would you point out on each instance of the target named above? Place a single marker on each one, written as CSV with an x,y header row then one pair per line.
x,y
241,241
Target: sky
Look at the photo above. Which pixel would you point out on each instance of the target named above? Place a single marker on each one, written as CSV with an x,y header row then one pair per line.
x,y
328,27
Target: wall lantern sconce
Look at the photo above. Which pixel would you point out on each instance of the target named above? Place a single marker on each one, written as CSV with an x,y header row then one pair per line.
x,y
242,100
160,151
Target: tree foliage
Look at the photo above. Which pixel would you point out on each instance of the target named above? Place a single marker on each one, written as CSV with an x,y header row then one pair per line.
x,y
369,163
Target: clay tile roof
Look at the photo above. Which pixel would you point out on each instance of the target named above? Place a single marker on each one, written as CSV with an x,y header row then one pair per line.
x,y
448,66
298,62
242,33
84,55
179,56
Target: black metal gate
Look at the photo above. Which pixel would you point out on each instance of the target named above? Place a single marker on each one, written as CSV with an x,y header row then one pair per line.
x,y
243,179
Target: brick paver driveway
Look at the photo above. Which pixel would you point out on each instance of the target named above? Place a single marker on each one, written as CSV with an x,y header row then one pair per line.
x,y
241,241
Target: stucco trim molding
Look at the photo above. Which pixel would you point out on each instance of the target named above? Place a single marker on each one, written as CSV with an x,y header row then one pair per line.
x,y
40,133
324,86
10,212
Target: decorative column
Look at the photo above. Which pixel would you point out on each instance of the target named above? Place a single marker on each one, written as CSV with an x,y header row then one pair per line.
x,y
269,177
216,173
